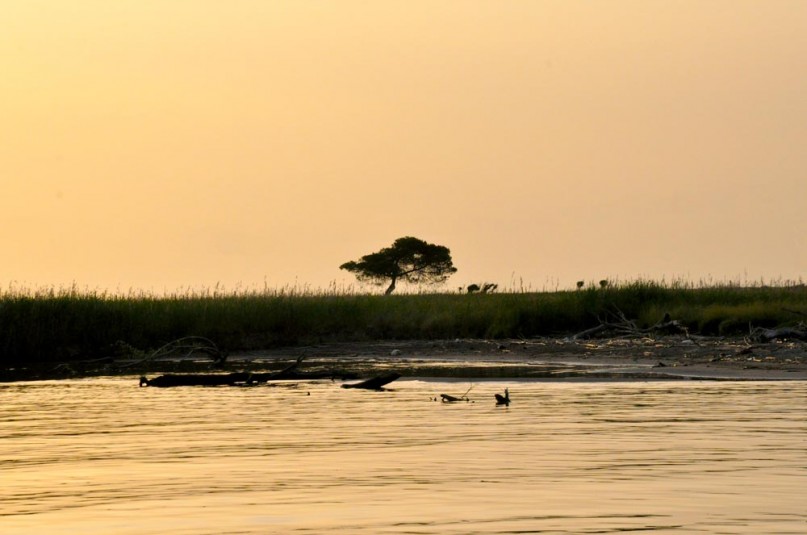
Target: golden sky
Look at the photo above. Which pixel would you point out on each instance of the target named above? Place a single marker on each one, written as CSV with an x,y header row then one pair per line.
x,y
163,144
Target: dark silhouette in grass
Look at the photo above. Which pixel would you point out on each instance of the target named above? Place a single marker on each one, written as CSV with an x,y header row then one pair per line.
x,y
408,259
487,287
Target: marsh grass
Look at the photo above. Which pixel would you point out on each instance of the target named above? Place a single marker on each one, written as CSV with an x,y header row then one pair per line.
x,y
66,324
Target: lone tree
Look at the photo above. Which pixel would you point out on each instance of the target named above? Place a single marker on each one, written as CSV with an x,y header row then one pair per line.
x,y
409,259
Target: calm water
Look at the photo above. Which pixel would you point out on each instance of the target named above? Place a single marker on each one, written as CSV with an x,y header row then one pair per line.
x,y
103,456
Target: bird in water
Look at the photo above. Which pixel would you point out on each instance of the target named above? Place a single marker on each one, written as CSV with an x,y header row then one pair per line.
x,y
503,399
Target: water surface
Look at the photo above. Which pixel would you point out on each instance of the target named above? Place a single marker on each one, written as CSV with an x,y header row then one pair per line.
x,y
102,456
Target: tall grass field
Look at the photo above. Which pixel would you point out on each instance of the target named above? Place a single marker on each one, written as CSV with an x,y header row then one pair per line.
x,y
68,324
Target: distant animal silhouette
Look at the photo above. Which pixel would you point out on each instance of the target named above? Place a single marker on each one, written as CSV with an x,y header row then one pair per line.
x,y
503,399
487,287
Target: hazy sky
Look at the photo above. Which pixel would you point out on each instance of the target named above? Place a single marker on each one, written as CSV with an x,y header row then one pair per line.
x,y
160,144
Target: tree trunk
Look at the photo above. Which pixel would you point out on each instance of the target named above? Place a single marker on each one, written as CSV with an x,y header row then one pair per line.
x,y
391,287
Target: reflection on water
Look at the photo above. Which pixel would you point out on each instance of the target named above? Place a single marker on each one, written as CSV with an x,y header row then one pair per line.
x,y
103,456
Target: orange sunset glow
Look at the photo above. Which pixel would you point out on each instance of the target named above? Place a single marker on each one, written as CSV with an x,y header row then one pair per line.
x,y
160,145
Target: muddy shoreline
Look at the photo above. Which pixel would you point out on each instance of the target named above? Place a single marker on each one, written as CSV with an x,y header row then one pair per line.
x,y
557,358
662,358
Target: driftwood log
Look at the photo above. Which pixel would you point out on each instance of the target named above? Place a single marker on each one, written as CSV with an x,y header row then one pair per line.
x,y
290,372
783,333
184,348
619,325
198,379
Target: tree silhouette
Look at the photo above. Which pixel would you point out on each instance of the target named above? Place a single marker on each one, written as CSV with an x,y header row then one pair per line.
x,y
408,259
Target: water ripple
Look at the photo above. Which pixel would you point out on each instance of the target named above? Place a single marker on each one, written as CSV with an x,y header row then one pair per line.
x,y
103,456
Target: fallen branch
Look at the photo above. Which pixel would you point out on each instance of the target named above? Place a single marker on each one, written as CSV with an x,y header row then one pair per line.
x,y
589,332
188,346
620,325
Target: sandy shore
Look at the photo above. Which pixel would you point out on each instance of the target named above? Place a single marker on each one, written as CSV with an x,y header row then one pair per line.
x,y
662,358
553,358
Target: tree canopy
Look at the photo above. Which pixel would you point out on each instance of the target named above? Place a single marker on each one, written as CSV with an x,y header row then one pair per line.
x,y
407,259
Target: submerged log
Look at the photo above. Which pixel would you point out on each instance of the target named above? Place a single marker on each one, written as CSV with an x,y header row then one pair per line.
x,y
448,398
237,379
197,379
240,378
287,371
375,383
